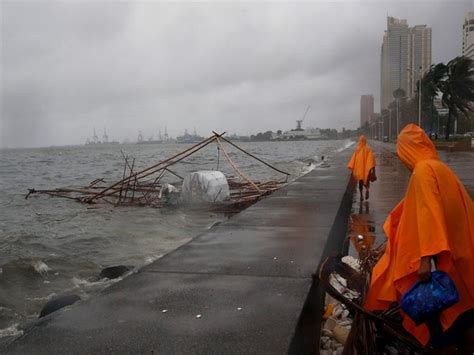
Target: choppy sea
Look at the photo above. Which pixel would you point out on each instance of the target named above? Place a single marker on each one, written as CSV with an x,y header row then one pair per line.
x,y
52,246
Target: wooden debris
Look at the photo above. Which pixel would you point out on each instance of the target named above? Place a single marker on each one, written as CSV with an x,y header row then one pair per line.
x,y
369,331
145,187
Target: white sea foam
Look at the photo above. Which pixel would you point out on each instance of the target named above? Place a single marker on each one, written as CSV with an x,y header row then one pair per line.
x,y
307,168
151,258
86,283
346,145
45,298
11,331
41,267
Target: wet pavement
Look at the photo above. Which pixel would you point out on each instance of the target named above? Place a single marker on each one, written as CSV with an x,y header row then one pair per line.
x,y
368,216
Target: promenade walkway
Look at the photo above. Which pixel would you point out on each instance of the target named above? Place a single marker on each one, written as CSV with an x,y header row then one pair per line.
x,y
392,181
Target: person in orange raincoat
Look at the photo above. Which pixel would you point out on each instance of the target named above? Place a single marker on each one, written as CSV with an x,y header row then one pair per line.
x,y
434,221
362,165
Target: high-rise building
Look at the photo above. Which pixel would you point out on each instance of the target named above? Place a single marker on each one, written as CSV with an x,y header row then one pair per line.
x,y
405,54
366,109
419,55
468,36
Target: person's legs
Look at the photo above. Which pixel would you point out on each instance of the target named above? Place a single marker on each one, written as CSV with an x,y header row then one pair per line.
x,y
460,335
443,343
467,343
361,187
464,327
367,190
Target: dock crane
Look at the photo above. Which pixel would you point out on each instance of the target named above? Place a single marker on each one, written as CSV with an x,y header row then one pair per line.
x,y
299,123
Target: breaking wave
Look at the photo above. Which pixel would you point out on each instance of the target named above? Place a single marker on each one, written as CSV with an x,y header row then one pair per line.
x,y
41,267
11,331
346,145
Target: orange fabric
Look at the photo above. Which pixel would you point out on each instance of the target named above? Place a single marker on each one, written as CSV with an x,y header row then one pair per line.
x,y
362,161
435,218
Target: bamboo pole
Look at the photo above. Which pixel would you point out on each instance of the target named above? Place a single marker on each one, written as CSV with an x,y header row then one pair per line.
x,y
128,181
123,176
242,175
251,155
95,182
154,182
186,153
172,172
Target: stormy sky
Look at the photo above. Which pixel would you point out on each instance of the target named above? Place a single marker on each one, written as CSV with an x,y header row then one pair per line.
x,y
71,66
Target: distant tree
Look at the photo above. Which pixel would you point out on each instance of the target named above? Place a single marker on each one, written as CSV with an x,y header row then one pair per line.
x,y
408,111
430,88
457,88
262,136
399,93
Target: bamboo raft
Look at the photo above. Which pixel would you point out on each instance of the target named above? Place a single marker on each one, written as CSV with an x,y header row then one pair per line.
x,y
146,188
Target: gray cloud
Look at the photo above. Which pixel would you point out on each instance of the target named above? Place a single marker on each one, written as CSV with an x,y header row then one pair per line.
x,y
240,67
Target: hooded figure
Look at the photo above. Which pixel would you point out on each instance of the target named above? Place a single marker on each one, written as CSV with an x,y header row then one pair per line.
x,y
362,165
435,220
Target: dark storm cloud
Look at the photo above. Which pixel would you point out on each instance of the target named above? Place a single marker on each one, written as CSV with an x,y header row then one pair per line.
x,y
68,67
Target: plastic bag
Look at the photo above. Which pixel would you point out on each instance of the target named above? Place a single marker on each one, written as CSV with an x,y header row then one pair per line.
x,y
427,299
372,176
205,186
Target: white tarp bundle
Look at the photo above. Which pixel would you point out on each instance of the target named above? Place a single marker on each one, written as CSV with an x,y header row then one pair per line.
x,y
205,186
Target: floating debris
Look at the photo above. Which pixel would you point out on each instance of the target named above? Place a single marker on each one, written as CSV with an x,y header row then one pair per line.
x,y
146,187
239,308
198,316
164,311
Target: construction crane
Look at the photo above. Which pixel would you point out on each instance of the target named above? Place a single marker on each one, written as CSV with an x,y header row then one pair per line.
x,y
299,123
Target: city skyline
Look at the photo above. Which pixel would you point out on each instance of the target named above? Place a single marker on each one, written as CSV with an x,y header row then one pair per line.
x,y
405,56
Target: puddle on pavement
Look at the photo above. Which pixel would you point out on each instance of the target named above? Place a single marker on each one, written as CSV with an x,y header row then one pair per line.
x,y
361,229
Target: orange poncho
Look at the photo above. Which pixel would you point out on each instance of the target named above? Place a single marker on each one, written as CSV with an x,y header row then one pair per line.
x,y
436,217
362,161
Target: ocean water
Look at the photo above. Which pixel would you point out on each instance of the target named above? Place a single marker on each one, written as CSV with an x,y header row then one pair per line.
x,y
52,246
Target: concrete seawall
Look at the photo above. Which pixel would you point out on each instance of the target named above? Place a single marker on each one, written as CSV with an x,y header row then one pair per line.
x,y
245,286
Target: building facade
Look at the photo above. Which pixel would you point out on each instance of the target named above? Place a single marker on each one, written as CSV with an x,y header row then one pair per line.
x,y
405,55
366,109
468,36
419,55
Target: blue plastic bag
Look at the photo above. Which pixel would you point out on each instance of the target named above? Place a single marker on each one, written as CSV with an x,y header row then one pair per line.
x,y
427,299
